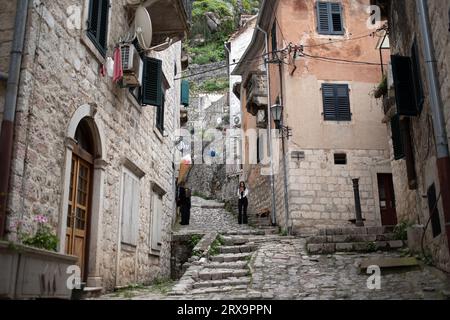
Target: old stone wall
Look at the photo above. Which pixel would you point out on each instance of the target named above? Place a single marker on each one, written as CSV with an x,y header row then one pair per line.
x,y
60,74
411,204
201,73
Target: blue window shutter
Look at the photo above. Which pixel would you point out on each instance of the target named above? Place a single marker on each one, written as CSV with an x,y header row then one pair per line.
x,y
343,102
185,93
323,17
404,86
152,82
329,102
336,23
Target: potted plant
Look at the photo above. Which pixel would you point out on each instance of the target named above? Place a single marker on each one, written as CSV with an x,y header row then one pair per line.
x,y
31,266
382,88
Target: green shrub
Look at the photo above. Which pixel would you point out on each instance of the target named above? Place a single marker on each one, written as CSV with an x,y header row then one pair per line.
x,y
401,230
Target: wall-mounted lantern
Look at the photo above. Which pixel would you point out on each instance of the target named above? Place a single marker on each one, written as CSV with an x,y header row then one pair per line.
x,y
277,116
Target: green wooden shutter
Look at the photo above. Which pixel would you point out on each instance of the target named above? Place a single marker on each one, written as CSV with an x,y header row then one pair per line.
x,y
152,82
397,141
185,93
93,20
103,27
404,86
342,102
98,24
323,18
329,102
418,86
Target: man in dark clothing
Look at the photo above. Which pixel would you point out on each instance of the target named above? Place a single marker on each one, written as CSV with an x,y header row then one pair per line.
x,y
184,202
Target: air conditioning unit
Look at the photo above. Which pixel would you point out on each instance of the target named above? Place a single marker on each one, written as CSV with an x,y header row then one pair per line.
x,y
132,65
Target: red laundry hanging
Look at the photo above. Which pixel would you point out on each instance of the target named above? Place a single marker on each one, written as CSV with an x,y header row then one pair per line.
x,y
118,70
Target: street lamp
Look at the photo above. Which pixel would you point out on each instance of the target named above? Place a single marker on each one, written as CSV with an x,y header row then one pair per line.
x,y
277,116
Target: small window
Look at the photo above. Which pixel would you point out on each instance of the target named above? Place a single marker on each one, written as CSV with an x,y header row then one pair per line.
x,y
98,24
340,159
336,102
404,83
329,18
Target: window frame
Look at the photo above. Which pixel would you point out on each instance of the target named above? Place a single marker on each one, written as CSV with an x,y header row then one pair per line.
x,y
133,237
95,38
330,28
160,111
338,117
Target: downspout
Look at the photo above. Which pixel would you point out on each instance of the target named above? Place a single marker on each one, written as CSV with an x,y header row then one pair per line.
x,y
7,130
269,129
443,155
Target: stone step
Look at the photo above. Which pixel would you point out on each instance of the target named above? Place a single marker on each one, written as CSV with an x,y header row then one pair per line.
x,y
226,265
238,248
328,248
241,289
219,274
230,282
231,257
244,233
355,230
351,238
234,240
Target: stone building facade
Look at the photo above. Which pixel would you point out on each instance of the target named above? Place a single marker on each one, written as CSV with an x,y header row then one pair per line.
x,y
416,169
324,66
67,104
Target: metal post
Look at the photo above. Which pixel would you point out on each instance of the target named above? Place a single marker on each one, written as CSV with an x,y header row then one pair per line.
x,y
359,219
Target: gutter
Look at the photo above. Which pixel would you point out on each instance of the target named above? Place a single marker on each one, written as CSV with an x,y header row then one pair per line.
x,y
12,89
269,128
437,110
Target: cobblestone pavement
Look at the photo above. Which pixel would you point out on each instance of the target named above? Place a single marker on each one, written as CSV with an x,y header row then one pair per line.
x,y
280,268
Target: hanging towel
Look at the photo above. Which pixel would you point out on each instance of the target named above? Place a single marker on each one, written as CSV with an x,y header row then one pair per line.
x,y
118,70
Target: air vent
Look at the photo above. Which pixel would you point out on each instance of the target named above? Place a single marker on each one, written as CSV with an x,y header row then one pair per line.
x,y
340,159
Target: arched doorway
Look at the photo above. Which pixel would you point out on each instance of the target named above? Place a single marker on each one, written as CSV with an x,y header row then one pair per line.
x,y
80,195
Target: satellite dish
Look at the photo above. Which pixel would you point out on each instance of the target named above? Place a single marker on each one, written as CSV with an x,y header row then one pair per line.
x,y
143,27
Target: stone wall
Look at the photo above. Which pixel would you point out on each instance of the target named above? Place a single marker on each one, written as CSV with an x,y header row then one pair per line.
x,y
60,74
201,73
411,204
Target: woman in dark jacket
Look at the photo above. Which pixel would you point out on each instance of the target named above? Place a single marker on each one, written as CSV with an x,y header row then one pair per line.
x,y
243,203
184,202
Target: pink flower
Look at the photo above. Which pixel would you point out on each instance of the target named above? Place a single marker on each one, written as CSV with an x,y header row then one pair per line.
x,y
41,219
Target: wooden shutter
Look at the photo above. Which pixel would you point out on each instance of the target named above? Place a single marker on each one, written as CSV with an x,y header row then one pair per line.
x,y
152,82
156,222
404,86
342,102
397,142
434,212
185,93
323,18
130,209
93,20
336,102
98,24
274,40
103,28
160,114
329,106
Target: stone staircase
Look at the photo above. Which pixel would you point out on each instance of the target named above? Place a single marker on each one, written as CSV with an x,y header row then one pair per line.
x,y
262,223
225,272
362,239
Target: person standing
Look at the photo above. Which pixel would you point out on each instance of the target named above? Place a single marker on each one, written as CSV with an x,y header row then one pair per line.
x,y
243,203
184,202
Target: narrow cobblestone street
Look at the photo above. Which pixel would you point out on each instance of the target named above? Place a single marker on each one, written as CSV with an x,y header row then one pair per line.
x,y
254,266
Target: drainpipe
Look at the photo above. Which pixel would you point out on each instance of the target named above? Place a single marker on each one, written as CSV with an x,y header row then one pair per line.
x,y
269,129
443,155
7,131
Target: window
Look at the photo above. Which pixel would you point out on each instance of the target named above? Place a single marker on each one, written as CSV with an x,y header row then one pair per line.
x,y
274,40
98,24
156,237
329,18
397,140
160,114
130,207
418,87
185,93
340,159
434,212
408,87
336,102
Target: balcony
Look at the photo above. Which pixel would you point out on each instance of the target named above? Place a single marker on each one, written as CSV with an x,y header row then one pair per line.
x,y
256,91
170,19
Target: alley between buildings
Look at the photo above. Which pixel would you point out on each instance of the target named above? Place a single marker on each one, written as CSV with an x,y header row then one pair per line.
x,y
250,264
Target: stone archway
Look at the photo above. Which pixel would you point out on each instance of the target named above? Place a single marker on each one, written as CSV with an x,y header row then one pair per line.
x,y
87,113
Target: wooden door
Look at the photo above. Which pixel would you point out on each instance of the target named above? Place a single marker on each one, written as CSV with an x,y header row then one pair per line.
x,y
387,200
78,211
